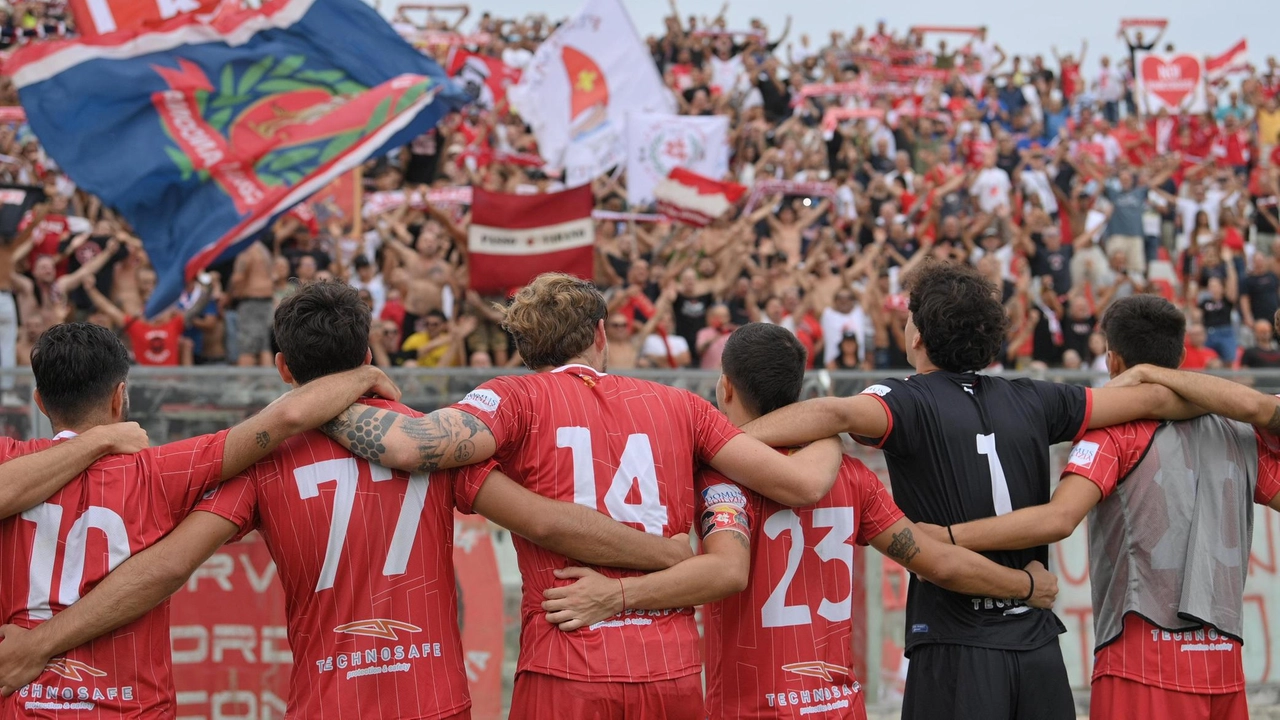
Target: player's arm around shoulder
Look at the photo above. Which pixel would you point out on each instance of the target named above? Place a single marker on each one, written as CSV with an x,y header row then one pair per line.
x,y
299,410
28,480
1214,394
796,480
446,438
720,571
862,415
963,571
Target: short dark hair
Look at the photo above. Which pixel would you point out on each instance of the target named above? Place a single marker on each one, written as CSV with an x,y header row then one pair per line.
x,y
322,329
77,367
958,314
1145,330
766,365
437,314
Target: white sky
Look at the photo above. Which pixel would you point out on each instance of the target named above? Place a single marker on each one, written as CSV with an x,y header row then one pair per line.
x,y
1027,26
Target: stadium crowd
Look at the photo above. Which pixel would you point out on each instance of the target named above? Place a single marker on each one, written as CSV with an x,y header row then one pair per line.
x,y
1043,173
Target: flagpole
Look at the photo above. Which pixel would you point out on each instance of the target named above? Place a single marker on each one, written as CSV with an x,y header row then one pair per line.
x,y
357,203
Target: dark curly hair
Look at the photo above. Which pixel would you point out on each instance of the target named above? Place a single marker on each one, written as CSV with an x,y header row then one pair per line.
x,y
958,314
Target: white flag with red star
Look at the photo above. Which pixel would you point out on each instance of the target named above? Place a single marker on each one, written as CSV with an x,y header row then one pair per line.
x,y
579,87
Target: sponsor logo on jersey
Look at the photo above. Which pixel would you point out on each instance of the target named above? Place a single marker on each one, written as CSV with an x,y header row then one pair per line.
x,y
880,390
73,670
378,628
817,669
723,494
920,628
1083,454
486,400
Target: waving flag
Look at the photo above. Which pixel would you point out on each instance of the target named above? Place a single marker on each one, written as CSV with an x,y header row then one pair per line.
x,y
515,238
1234,60
485,78
201,130
695,199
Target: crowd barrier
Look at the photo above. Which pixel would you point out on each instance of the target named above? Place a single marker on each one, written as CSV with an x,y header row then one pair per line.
x,y
231,655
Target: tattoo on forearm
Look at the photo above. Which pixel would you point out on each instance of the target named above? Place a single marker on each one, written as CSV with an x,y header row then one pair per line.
x,y
903,548
1273,426
742,540
443,436
263,438
364,434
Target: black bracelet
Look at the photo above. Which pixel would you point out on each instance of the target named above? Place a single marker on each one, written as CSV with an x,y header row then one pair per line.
x,y
1032,591
951,535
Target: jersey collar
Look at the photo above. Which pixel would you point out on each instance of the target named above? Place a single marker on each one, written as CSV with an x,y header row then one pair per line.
x,y
573,368
65,435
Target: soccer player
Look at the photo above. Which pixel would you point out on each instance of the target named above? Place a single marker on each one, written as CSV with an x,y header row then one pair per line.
x,y
59,549
783,648
365,555
962,446
1171,525
573,432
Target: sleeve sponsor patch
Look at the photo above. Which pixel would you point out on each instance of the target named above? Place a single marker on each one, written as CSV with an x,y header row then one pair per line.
x,y
880,390
482,399
724,494
1083,454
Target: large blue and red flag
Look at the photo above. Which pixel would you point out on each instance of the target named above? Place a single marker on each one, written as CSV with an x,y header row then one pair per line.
x,y
201,129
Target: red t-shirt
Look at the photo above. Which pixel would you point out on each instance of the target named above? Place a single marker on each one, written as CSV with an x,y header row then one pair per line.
x,y
59,550
627,448
1198,358
1070,79
365,556
47,235
783,647
1199,661
155,344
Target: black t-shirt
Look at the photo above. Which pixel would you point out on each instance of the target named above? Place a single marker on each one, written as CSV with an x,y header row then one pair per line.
x,y
1264,294
1056,265
1075,335
1261,221
1217,313
1256,357
962,447
691,316
83,254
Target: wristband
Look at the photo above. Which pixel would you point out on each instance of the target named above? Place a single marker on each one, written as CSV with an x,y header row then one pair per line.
x,y
623,588
951,535
1030,592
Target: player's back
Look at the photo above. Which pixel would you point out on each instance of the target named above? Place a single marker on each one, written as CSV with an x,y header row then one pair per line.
x,y
962,447
783,647
56,552
365,556
620,445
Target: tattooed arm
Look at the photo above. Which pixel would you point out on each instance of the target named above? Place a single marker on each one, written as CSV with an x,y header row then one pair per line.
x,y
446,438
1214,394
962,571
301,409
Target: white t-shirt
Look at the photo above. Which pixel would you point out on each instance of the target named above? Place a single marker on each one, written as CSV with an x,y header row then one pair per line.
x,y
1037,182
654,349
377,290
836,324
992,188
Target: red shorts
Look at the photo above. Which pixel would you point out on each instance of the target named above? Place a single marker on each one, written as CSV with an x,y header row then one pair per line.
x,y
544,697
1117,698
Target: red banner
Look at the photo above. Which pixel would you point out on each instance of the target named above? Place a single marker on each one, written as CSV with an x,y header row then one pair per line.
x,y
515,238
100,17
231,654
486,78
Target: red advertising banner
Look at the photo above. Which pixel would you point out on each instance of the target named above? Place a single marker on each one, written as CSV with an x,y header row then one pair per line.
x,y
231,656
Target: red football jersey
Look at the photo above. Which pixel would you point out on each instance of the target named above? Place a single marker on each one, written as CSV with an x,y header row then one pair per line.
x,y
1199,661
783,647
627,448
365,556
53,554
155,344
